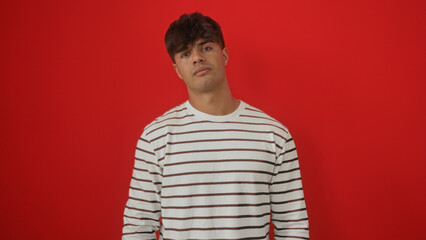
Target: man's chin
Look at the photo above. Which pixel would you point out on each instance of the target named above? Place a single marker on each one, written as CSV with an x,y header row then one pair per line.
x,y
204,89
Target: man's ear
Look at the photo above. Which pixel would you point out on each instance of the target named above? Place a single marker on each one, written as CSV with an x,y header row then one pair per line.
x,y
177,70
225,55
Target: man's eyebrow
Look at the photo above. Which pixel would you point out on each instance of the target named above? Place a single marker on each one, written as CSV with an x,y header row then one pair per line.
x,y
204,42
183,48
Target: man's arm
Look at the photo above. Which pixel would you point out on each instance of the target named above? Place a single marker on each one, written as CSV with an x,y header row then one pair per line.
x,y
143,209
288,207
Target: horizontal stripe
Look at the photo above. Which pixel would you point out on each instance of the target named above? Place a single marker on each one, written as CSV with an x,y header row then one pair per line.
x,y
216,217
130,224
215,194
216,130
289,211
288,201
221,150
145,180
145,151
164,115
175,111
207,121
217,161
229,194
217,206
217,228
145,161
214,183
287,151
140,218
178,125
216,172
306,229
254,110
215,140
143,200
246,238
271,119
182,117
145,170
144,190
287,171
287,236
287,191
292,220
132,233
290,160
287,181
143,210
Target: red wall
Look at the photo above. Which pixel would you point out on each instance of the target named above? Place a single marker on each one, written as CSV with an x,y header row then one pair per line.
x,y
80,80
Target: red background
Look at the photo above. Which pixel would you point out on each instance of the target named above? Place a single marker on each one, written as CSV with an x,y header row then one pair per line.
x,y
80,80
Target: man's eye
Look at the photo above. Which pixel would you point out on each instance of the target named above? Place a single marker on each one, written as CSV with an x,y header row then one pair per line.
x,y
206,48
185,54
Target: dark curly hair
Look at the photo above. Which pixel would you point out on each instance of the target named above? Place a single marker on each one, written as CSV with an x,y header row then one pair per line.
x,y
188,29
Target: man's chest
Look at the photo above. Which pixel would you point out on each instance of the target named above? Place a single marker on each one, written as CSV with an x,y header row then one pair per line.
x,y
219,157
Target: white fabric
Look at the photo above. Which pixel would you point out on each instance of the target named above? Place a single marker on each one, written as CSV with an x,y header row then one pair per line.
x,y
215,177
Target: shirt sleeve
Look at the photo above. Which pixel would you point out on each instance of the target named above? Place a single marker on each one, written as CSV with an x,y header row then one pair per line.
x,y
143,208
288,207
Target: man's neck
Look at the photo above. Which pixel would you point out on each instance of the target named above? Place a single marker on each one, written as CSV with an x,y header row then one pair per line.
x,y
221,103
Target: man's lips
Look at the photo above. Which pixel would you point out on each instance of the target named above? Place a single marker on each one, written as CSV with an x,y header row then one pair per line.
x,y
201,70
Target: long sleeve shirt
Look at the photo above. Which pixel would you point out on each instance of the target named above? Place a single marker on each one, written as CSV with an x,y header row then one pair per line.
x,y
215,177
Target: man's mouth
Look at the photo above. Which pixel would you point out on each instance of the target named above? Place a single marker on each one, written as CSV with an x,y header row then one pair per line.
x,y
201,71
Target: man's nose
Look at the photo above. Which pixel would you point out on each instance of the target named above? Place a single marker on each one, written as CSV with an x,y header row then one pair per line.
x,y
197,57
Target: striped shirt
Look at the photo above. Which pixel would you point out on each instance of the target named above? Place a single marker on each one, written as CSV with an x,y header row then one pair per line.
x,y
215,177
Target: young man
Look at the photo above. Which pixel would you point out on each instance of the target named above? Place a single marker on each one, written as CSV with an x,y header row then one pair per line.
x,y
213,167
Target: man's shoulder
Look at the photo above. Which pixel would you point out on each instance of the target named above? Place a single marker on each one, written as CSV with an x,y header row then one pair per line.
x,y
257,115
172,113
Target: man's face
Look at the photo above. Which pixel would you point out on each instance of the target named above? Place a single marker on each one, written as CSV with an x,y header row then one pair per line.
x,y
202,66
